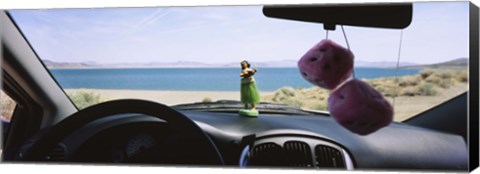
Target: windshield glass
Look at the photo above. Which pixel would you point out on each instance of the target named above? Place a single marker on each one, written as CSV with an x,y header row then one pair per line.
x,y
181,55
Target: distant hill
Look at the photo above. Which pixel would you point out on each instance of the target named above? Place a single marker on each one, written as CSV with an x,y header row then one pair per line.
x,y
158,64
381,64
366,64
279,63
52,64
451,64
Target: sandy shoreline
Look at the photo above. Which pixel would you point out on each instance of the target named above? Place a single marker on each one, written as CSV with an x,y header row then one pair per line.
x,y
165,96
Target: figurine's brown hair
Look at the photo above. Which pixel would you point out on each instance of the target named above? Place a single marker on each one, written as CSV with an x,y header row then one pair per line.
x,y
246,62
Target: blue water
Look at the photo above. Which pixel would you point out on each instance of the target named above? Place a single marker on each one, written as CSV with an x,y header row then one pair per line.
x,y
195,79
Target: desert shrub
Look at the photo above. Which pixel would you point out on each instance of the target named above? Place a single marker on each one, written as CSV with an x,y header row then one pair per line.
x,y
321,105
426,73
462,76
322,97
278,96
441,81
283,94
373,82
409,91
445,75
446,83
317,94
7,105
387,87
383,85
374,85
207,100
380,89
288,91
427,89
84,98
409,81
433,79
293,102
312,97
391,91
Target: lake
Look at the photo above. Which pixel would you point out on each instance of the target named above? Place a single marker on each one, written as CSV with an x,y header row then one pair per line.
x,y
195,79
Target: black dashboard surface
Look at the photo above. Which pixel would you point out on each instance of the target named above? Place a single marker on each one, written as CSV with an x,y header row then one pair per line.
x,y
397,146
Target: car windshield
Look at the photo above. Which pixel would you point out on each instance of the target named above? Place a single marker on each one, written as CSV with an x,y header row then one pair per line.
x,y
185,55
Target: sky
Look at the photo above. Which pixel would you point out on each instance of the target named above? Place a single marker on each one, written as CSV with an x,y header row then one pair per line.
x,y
217,34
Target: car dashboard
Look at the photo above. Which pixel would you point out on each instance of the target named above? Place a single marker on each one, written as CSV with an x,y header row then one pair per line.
x,y
318,141
271,140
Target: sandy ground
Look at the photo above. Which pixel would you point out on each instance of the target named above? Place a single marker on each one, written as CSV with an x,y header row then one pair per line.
x,y
166,97
405,107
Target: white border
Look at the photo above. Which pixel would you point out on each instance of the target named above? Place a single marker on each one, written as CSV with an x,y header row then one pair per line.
x,y
47,4
73,169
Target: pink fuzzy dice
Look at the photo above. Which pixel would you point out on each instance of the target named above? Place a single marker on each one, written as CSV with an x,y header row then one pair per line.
x,y
359,108
327,64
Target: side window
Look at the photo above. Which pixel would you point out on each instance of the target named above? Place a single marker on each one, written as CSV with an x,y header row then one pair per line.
x,y
7,105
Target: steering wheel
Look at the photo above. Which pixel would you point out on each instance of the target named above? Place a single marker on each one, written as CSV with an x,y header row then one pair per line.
x,y
205,151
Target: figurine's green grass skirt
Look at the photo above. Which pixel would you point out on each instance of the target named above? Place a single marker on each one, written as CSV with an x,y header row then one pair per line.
x,y
249,93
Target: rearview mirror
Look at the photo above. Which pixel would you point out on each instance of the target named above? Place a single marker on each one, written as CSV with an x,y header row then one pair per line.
x,y
395,15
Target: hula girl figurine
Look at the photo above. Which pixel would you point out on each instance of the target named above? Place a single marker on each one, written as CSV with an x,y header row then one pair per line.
x,y
248,90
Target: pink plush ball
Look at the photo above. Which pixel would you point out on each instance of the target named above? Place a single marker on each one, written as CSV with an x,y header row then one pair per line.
x,y
327,64
359,108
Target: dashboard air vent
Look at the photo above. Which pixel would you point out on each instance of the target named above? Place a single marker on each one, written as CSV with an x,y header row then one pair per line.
x,y
298,154
328,157
267,154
